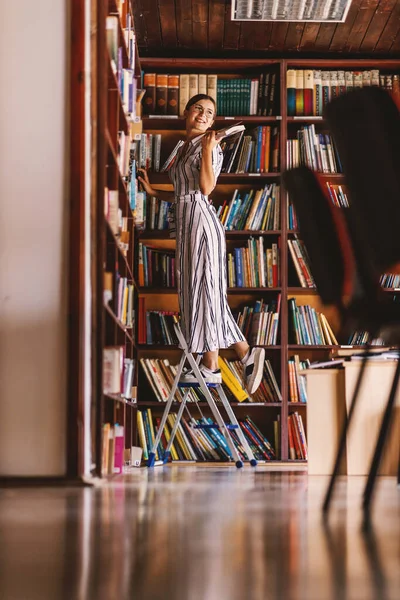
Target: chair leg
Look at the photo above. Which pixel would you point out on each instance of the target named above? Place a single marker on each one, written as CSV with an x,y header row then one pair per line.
x,y
343,437
380,444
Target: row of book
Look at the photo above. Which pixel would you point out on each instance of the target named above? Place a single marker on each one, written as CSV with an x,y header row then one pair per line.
x,y
125,76
389,280
309,327
148,151
118,372
252,151
112,456
338,195
160,375
309,90
297,437
255,210
301,262
314,150
157,214
254,267
156,268
119,295
297,382
158,327
260,324
249,97
195,443
168,94
360,338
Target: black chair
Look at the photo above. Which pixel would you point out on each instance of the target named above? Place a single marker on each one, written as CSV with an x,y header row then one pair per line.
x,y
332,238
365,125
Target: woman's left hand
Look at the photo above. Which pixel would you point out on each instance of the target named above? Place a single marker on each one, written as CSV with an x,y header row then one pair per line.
x,y
209,141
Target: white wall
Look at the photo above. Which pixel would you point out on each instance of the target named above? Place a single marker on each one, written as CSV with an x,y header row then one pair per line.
x,y
33,237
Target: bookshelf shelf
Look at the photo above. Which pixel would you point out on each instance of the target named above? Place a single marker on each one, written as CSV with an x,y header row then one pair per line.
x,y
144,404
149,290
163,178
250,290
288,127
114,344
310,347
175,347
163,234
117,398
302,291
152,122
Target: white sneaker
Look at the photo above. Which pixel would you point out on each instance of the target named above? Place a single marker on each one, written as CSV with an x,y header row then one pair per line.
x,y
253,369
208,375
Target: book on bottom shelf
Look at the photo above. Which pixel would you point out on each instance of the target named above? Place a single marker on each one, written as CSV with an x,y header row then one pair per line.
x,y
297,437
200,444
113,449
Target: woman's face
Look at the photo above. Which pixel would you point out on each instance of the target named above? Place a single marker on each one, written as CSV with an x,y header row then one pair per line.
x,y
200,115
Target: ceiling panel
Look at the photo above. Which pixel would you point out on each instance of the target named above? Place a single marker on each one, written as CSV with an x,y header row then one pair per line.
x,y
204,27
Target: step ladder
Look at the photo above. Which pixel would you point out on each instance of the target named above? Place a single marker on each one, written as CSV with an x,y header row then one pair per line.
x,y
219,424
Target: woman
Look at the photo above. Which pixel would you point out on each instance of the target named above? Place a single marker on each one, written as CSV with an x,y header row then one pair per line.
x,y
206,319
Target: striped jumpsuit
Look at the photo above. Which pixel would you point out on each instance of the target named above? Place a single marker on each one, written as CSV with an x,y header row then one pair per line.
x,y
206,319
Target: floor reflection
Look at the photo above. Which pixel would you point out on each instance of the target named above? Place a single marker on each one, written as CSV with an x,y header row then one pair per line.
x,y
187,533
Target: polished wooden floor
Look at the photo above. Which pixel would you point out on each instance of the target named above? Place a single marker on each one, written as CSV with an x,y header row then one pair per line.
x,y
193,533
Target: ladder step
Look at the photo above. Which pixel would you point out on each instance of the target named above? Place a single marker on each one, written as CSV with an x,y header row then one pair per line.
x,y
195,384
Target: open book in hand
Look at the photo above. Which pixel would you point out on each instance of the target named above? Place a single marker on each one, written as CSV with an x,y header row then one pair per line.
x,y
230,130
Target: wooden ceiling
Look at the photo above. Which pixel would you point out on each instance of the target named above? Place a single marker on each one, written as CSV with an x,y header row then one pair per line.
x,y
204,27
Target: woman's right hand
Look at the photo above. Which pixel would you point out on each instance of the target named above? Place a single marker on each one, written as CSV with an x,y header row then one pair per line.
x,y
144,180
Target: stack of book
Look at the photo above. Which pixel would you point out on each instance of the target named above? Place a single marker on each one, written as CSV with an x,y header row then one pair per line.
x,y
255,210
297,383
168,94
308,327
309,90
200,444
297,437
314,150
253,151
118,372
156,268
260,323
300,259
254,267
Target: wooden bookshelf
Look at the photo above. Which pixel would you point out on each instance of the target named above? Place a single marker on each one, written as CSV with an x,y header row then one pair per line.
x,y
172,129
115,256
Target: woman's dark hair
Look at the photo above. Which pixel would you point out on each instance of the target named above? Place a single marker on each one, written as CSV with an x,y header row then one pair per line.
x,y
199,97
